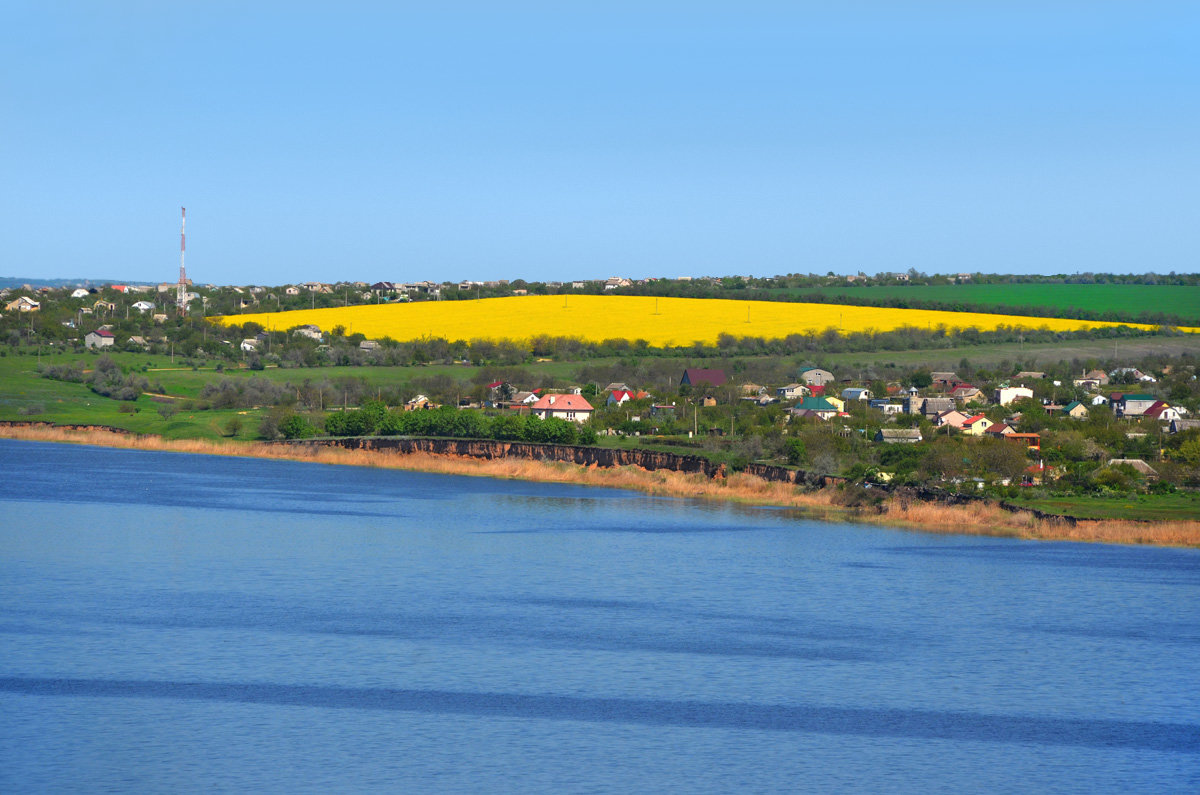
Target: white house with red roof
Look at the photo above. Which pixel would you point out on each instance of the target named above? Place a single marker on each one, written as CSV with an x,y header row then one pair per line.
x,y
620,396
564,407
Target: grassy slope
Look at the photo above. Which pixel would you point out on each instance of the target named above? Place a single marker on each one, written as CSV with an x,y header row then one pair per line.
x,y
1160,507
1181,301
21,387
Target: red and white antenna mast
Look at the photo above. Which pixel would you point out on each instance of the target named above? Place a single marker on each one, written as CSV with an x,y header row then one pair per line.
x,y
181,292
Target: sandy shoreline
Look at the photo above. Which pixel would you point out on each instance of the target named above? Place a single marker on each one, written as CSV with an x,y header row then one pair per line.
x,y
988,520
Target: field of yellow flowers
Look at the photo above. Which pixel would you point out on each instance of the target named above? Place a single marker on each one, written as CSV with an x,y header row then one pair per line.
x,y
659,321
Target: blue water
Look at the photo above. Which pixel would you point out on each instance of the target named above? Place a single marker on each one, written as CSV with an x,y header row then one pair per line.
x,y
190,623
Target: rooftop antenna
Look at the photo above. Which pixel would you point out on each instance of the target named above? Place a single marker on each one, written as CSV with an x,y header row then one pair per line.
x,y
181,291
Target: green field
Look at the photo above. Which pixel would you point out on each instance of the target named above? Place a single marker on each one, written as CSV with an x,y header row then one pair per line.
x,y
1127,300
23,391
1143,507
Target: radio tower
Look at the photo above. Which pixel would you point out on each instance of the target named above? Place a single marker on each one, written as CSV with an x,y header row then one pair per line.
x,y
181,292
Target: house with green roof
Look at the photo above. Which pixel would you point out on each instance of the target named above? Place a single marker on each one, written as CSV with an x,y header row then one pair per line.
x,y
1075,410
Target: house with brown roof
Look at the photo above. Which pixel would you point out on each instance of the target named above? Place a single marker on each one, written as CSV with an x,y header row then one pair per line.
x,y
1139,466
815,375
23,304
100,338
954,418
965,393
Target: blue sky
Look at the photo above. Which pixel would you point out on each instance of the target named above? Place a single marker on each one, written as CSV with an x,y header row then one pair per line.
x,y
580,140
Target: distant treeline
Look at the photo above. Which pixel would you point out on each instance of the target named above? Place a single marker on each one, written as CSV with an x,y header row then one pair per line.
x,y
376,419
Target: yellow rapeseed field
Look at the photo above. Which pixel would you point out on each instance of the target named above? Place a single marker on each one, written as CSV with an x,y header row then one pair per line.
x,y
661,321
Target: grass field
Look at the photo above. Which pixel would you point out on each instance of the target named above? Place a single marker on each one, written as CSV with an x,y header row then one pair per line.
x,y
21,388
1143,507
1131,299
659,321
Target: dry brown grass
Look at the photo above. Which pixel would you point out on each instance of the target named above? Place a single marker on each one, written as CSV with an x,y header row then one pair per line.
x,y
975,519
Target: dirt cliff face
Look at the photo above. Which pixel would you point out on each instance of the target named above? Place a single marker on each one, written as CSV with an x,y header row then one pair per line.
x,y
571,454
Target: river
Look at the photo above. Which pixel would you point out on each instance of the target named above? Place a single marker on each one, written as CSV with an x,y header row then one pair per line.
x,y
190,623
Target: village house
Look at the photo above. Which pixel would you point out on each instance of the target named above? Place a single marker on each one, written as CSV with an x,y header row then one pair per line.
x,y
792,391
249,345
1093,379
310,331
965,393
694,376
619,396
525,398
998,430
100,338
368,345
420,403
1032,441
23,304
886,406
954,418
80,293
855,393
898,435
142,306
1007,394
1180,425
943,379
1131,405
566,407
1075,410
1139,466
815,375
1163,412
822,407
927,406
1028,375
139,341
975,426
1134,373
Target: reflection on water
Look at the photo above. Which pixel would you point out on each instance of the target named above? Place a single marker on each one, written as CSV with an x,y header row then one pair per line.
x,y
185,622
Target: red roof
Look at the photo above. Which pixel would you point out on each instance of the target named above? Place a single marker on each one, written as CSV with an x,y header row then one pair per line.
x,y
562,403
102,332
1156,409
494,385
696,376
623,394
974,420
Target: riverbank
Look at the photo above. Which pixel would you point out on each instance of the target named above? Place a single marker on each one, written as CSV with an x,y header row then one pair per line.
x,y
974,519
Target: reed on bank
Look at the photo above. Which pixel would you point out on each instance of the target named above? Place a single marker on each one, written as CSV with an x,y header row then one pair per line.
x,y
974,519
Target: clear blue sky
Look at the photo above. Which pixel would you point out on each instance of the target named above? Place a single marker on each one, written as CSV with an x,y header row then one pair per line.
x,y
575,140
